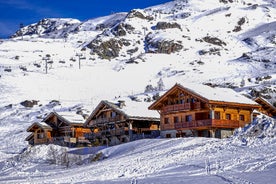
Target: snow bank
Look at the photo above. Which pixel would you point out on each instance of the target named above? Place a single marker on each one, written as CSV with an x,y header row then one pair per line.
x,y
44,154
262,129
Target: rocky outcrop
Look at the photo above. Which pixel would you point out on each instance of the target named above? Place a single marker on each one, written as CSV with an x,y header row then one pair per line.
x,y
210,51
239,24
45,26
29,103
139,14
122,29
107,49
167,25
165,46
212,40
226,1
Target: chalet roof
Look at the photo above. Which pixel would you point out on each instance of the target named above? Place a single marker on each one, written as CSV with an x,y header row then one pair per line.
x,y
210,95
130,109
29,137
266,106
70,118
42,125
139,110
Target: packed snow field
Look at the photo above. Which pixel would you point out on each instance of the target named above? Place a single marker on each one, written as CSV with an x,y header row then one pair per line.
x,y
247,157
122,54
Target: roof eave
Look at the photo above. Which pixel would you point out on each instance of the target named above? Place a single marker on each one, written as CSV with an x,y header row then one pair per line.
x,y
153,106
213,102
143,118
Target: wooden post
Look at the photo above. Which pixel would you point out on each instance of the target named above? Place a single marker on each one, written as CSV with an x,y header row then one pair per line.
x,y
251,115
212,133
35,137
212,114
130,130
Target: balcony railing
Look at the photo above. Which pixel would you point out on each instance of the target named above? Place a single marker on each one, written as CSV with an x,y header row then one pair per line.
x,y
181,107
117,132
166,126
214,123
196,105
106,120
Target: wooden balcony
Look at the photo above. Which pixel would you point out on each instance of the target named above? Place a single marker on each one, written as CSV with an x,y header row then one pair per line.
x,y
181,107
41,141
117,132
107,120
196,105
209,123
167,126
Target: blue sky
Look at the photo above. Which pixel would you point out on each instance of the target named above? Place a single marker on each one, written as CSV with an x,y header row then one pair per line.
x,y
14,12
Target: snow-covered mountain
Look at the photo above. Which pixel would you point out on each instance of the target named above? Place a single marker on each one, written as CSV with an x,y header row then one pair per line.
x,y
229,43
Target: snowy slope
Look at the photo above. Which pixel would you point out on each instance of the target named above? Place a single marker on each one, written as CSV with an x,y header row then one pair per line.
x,y
210,53
219,43
179,160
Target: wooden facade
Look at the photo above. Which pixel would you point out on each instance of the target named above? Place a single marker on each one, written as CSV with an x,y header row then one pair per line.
x,y
266,108
41,133
58,129
185,112
110,125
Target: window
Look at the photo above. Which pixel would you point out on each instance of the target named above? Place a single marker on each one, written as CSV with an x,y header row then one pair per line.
x,y
168,136
241,117
228,116
113,114
40,135
175,119
189,118
217,115
166,120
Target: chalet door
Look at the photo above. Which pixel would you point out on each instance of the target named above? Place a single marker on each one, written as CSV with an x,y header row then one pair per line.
x,y
200,134
203,133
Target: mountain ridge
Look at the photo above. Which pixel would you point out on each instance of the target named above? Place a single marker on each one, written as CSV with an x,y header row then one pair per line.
x,y
201,37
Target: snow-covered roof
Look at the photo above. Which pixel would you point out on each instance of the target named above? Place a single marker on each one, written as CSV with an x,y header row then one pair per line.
x,y
67,117
72,117
210,95
266,105
43,125
131,109
218,94
137,109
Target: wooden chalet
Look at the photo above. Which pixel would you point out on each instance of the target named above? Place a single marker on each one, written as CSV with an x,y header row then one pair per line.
x,y
41,133
199,110
266,108
115,123
64,129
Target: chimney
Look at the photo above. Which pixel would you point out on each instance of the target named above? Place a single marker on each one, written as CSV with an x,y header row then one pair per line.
x,y
121,103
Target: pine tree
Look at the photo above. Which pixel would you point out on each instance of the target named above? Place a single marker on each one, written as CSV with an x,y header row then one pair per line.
x,y
160,85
